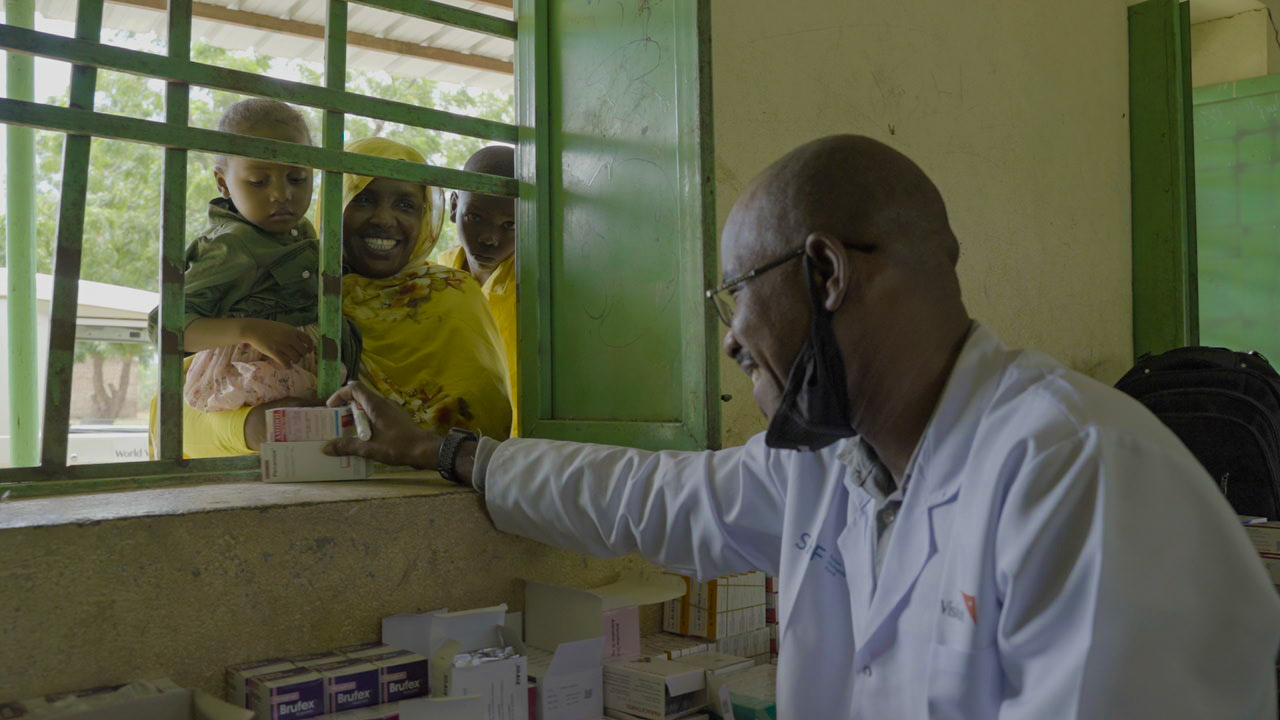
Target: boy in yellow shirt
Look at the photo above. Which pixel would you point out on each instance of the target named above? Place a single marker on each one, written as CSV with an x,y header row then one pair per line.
x,y
487,229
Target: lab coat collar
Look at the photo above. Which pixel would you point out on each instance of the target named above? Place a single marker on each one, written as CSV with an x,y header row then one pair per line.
x,y
935,481
948,438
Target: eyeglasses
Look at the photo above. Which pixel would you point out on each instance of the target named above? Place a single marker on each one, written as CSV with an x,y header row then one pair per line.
x,y
725,302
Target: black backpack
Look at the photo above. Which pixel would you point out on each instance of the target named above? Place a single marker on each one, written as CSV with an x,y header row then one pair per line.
x,y
1225,406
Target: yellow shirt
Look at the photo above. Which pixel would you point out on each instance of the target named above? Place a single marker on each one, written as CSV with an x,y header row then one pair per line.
x,y
500,290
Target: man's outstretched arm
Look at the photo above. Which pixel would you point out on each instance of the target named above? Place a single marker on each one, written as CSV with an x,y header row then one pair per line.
x,y
699,513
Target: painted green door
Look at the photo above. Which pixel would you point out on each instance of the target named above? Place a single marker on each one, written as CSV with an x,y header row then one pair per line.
x,y
624,345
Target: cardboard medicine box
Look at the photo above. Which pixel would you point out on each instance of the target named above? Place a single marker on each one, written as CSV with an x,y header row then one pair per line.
x,y
307,424
504,682
443,635
569,682
304,462
238,677
402,675
718,663
294,438
288,695
558,614
350,684
654,689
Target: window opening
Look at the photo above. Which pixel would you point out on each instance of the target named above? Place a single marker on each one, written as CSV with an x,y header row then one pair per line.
x,y
183,80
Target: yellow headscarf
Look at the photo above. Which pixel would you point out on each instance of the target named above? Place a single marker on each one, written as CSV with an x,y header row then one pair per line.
x,y
392,150
430,342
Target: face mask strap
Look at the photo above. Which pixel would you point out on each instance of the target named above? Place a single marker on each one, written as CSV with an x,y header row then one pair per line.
x,y
813,412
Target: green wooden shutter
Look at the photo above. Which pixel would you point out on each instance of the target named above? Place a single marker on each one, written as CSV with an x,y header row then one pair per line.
x,y
617,342
1165,304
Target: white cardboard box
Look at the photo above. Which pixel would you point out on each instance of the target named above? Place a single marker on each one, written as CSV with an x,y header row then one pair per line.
x,y
306,424
654,689
442,635
570,681
558,614
717,663
304,462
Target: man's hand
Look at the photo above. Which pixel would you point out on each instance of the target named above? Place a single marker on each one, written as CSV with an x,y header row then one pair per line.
x,y
396,440
285,344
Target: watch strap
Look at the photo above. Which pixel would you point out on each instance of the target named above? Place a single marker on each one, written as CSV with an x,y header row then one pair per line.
x,y
449,453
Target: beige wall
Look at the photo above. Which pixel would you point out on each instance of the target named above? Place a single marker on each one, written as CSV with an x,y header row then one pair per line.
x,y
1234,48
1018,110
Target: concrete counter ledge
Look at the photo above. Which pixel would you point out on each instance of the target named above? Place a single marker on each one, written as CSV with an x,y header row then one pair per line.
x,y
181,582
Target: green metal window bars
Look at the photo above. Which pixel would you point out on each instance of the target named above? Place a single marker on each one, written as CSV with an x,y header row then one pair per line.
x,y
81,124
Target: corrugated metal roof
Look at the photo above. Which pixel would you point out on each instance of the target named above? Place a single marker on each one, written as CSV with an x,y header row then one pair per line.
x,y
131,15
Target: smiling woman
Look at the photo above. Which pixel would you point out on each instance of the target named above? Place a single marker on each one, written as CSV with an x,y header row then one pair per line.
x,y
380,227
429,340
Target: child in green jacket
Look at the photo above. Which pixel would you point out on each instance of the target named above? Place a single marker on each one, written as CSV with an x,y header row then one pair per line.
x,y
252,274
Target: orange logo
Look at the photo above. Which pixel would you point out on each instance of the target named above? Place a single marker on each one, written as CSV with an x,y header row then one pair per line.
x,y
971,604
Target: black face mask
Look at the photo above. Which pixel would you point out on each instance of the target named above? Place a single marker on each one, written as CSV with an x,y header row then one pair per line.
x,y
814,411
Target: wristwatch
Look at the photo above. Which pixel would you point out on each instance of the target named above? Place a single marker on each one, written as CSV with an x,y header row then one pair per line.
x,y
449,453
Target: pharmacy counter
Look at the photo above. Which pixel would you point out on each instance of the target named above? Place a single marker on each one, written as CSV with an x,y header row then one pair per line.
x,y
182,582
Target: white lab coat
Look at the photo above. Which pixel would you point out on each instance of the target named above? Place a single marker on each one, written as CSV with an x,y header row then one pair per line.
x,y
1058,554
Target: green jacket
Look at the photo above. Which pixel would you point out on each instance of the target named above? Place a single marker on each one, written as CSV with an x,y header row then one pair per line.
x,y
234,269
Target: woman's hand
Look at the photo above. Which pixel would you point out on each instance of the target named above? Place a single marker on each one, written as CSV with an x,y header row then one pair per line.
x,y
285,344
396,440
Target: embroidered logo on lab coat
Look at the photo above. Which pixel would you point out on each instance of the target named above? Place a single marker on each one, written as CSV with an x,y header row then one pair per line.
x,y
951,610
830,557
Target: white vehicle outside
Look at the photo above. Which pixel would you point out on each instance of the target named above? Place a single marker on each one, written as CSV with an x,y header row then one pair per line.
x,y
106,314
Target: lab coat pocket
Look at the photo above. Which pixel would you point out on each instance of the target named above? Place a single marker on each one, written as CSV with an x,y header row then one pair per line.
x,y
963,683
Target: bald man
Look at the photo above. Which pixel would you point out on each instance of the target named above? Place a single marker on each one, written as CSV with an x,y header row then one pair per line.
x,y
960,530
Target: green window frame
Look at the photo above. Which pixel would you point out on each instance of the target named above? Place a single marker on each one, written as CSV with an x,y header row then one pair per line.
x,y
556,41
624,346
1165,297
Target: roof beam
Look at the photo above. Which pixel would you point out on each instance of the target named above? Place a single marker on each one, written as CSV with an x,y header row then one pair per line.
x,y
258,21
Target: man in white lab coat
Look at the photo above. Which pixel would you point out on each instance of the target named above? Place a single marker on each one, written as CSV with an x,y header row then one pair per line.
x,y
960,530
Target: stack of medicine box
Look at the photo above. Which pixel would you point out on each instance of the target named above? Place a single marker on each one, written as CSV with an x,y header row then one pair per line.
x,y
729,610
1265,537
771,615
361,676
